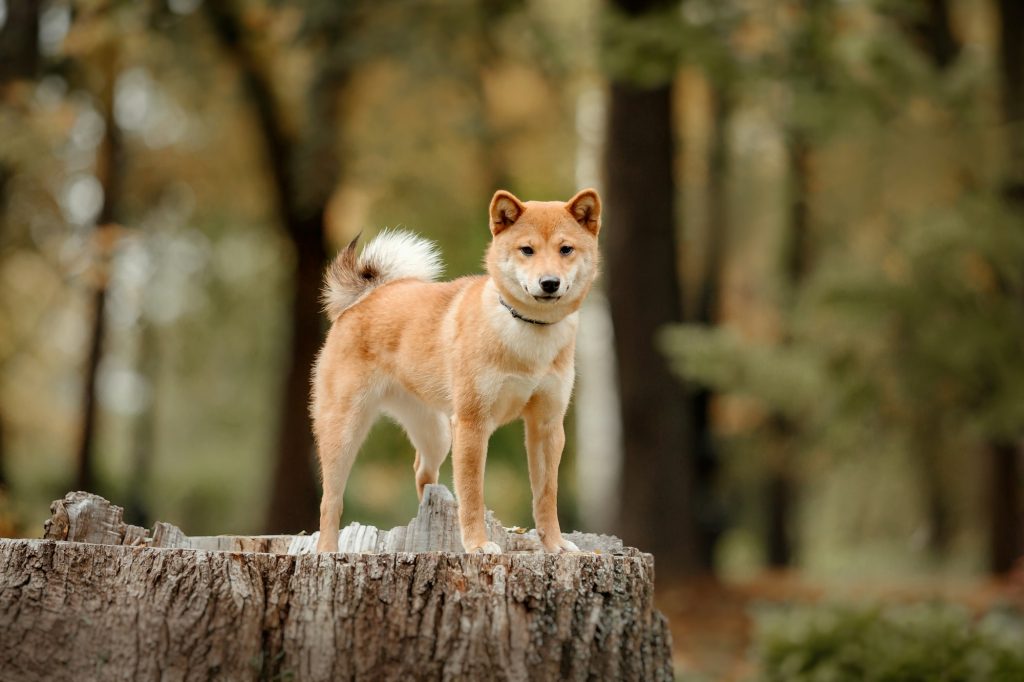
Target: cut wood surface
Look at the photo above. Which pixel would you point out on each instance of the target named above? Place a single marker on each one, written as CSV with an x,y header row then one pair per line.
x,y
101,599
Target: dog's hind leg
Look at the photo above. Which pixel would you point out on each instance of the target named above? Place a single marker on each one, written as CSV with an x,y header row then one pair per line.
x,y
429,431
341,430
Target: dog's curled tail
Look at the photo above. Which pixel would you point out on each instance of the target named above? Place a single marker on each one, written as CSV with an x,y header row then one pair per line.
x,y
391,255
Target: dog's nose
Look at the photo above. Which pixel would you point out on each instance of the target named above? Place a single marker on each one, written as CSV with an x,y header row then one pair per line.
x,y
549,284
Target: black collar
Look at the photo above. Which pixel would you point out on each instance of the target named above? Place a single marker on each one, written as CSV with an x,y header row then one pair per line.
x,y
515,313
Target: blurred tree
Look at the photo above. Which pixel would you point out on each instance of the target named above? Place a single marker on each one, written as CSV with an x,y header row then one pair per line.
x,y
19,61
3,453
658,504
304,170
1006,513
1011,72
486,39
706,40
19,42
97,71
911,346
781,483
144,442
927,22
108,168
806,58
708,313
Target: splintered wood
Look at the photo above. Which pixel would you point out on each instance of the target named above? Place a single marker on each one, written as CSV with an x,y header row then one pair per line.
x,y
101,599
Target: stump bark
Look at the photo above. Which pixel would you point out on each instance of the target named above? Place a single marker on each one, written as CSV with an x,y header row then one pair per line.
x,y
100,599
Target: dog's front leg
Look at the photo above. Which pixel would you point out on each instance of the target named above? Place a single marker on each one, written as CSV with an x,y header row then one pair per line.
x,y
545,439
469,453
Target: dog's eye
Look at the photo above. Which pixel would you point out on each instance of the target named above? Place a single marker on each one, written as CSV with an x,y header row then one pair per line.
x,y
565,250
526,250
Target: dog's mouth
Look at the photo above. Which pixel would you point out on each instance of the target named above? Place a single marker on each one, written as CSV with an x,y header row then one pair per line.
x,y
547,298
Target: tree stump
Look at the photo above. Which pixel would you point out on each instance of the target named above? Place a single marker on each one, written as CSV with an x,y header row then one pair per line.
x,y
100,599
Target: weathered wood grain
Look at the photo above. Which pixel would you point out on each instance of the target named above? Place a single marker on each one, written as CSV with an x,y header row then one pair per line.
x,y
74,611
116,603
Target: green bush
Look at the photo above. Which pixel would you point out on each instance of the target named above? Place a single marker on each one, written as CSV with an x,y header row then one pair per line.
x,y
930,642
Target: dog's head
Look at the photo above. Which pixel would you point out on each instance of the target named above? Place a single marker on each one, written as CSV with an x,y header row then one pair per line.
x,y
544,254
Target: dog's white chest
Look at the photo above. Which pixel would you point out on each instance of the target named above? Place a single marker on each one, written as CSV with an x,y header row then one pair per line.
x,y
507,394
534,345
531,351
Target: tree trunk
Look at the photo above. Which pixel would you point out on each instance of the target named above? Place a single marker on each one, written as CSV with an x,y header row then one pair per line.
x,y
929,27
295,495
84,473
797,246
926,443
76,611
657,504
711,521
936,40
109,172
3,455
1011,67
780,494
709,295
19,42
780,487
144,440
490,139
1006,532
19,60
3,441
294,499
778,535
130,607
1006,514
303,173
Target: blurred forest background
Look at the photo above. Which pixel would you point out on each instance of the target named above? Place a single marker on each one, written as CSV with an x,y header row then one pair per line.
x,y
808,351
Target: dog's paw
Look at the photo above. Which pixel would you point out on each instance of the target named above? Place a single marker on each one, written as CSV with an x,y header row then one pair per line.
x,y
486,548
561,545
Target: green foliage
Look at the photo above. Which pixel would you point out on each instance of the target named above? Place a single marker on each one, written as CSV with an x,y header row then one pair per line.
x,y
933,328
915,352
790,380
645,49
949,314
891,644
899,344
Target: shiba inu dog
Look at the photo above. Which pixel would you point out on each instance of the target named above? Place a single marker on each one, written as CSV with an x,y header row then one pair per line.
x,y
452,361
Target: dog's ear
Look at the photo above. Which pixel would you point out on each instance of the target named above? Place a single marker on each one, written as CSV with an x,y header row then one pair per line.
x,y
505,211
585,207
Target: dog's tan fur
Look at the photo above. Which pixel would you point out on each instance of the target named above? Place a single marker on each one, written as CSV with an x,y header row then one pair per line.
x,y
450,362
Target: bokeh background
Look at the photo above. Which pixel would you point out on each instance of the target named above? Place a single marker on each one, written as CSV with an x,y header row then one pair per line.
x,y
802,379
